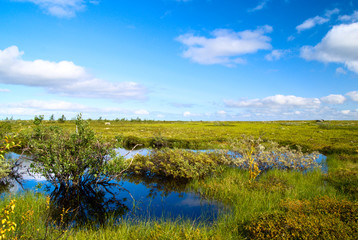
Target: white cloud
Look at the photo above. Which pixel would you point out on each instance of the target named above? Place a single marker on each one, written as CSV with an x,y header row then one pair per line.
x,y
63,77
317,20
341,70
311,22
277,101
353,95
61,8
281,107
290,38
333,99
260,6
187,114
4,90
329,13
49,105
37,107
349,18
276,54
142,112
225,46
222,112
340,45
30,108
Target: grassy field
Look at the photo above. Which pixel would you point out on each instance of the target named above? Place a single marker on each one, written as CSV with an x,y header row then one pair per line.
x,y
326,137
278,204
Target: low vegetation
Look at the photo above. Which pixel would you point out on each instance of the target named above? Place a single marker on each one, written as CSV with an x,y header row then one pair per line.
x,y
321,218
179,163
270,186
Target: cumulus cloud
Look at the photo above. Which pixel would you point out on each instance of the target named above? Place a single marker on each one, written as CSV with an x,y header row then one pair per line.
x,y
63,77
281,107
225,46
340,45
276,54
277,101
353,95
317,20
61,8
333,99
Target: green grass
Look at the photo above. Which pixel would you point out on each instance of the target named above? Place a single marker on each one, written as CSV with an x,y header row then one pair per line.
x,y
326,137
245,201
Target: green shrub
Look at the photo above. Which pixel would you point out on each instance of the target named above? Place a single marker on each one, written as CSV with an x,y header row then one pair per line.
x,y
321,218
72,159
38,119
178,163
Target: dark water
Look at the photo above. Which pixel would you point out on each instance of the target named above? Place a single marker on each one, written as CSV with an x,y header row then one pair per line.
x,y
130,198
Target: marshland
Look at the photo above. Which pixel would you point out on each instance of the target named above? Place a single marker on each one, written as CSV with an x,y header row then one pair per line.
x,y
238,180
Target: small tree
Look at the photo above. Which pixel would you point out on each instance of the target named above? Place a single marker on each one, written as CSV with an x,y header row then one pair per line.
x,y
52,118
38,119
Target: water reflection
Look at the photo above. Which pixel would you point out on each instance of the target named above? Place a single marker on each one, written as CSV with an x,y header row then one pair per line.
x,y
131,197
86,204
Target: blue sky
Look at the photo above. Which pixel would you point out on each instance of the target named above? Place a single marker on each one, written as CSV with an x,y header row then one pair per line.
x,y
179,59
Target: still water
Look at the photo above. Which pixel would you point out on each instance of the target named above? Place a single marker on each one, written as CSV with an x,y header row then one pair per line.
x,y
132,198
137,198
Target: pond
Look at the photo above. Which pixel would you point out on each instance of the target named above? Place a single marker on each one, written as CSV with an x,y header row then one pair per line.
x,y
132,198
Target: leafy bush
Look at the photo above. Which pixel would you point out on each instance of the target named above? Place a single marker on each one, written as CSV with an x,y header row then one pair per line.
x,y
38,119
321,218
178,163
72,159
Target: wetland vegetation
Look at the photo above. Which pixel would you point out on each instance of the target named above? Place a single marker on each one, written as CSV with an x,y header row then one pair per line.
x,y
264,173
